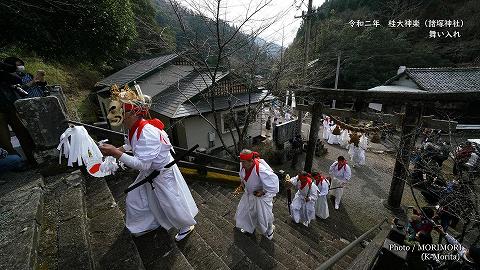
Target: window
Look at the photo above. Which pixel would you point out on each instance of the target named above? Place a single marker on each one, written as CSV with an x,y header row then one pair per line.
x,y
241,116
228,119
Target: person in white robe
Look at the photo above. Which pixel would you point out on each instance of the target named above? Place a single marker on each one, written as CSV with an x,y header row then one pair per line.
x,y
321,206
356,150
344,139
170,204
302,208
333,138
260,183
341,174
326,128
288,116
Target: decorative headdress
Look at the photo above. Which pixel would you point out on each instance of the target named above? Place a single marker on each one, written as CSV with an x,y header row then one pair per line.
x,y
127,99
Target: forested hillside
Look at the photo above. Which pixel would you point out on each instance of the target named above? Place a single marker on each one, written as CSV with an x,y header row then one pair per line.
x,y
78,42
199,31
370,55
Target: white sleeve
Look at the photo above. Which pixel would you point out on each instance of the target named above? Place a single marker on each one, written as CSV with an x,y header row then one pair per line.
x,y
348,173
134,162
127,147
269,180
332,167
313,192
242,175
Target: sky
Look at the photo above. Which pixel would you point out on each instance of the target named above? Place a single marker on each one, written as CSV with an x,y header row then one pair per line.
x,y
274,18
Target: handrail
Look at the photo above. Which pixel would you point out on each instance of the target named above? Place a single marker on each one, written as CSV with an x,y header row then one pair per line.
x,y
330,262
176,148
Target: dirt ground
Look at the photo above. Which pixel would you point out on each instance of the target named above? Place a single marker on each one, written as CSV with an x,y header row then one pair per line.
x,y
362,204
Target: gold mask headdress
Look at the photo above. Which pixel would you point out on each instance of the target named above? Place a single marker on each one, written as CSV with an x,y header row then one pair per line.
x,y
126,99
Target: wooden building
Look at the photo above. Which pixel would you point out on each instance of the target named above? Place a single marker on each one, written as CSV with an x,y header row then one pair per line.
x,y
437,80
181,92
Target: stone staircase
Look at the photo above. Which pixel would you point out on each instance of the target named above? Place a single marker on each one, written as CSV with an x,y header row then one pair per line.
x,y
70,221
66,221
216,244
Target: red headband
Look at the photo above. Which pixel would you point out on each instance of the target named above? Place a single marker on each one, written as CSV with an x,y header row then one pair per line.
x,y
303,177
249,156
136,109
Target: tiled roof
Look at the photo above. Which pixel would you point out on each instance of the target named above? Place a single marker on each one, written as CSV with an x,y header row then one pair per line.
x,y
162,79
221,103
136,70
168,102
443,80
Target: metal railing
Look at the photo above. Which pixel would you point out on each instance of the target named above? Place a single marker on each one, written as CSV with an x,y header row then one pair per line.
x,y
335,258
178,150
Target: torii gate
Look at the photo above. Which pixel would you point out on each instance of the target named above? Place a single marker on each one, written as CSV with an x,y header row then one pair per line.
x,y
414,103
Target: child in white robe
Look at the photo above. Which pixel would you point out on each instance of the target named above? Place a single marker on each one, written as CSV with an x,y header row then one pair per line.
x,y
344,139
321,206
302,208
326,128
334,138
341,173
357,151
255,209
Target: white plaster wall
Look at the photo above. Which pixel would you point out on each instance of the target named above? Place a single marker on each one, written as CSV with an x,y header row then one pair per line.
x,y
197,129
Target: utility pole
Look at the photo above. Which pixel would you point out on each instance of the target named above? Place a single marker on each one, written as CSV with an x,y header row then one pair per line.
x,y
308,25
336,76
317,112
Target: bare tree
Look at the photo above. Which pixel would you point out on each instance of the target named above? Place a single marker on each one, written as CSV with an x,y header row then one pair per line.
x,y
212,55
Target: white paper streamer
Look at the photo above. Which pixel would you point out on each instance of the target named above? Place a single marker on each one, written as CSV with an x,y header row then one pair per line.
x,y
77,146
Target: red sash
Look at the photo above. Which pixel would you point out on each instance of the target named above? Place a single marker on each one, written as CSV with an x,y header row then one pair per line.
x,y
141,123
341,165
256,164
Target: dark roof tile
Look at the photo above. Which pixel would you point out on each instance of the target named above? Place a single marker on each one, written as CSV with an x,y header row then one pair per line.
x,y
443,80
136,70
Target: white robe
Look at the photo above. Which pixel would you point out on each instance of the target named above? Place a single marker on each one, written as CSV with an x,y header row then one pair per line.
x,y
332,138
344,139
321,206
326,129
257,212
302,211
357,153
340,177
170,204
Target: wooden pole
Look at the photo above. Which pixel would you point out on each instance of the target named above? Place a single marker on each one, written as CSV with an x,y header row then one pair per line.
x,y
412,119
312,138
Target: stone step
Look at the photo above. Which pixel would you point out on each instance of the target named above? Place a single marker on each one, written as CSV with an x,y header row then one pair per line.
x,y
314,240
199,254
157,249
319,238
284,228
251,249
282,238
111,244
159,252
21,208
223,245
64,239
